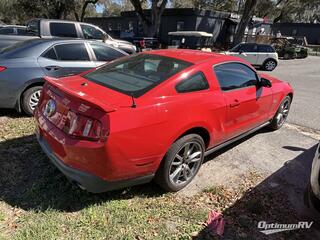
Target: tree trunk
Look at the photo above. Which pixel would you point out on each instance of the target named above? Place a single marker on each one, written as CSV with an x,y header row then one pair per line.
x,y
84,7
277,19
249,8
151,24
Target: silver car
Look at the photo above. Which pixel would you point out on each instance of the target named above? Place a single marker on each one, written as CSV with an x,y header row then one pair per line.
x,y
24,65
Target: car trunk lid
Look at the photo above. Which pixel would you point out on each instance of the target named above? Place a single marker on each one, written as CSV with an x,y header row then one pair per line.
x,y
82,90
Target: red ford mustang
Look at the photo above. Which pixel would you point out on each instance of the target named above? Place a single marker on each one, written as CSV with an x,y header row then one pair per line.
x,y
154,115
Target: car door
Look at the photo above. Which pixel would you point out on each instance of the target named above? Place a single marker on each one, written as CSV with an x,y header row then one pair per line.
x,y
103,53
65,59
248,52
264,52
248,104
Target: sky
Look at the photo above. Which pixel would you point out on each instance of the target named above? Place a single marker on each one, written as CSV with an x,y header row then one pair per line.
x,y
99,8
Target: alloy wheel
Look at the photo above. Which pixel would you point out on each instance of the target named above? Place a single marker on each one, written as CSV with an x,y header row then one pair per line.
x,y
270,65
283,112
34,99
186,163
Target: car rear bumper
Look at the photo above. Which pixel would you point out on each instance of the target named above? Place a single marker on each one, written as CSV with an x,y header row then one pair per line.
x,y
88,181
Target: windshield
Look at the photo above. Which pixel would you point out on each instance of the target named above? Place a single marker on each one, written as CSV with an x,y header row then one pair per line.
x,y
135,75
235,48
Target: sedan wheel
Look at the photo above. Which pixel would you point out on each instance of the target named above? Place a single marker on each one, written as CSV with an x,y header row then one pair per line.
x,y
30,99
34,100
181,163
270,65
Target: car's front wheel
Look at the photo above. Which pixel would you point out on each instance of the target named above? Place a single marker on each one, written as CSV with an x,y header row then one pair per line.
x,y
270,65
281,114
30,99
181,163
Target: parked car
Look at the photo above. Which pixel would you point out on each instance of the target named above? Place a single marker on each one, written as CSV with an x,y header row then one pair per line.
x,y
141,43
50,28
24,65
156,115
314,190
14,30
259,55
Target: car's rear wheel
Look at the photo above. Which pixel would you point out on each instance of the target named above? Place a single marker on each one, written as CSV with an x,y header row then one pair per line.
x,y
30,99
281,114
270,65
181,163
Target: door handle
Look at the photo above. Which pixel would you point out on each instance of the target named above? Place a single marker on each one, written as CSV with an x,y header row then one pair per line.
x,y
235,103
52,68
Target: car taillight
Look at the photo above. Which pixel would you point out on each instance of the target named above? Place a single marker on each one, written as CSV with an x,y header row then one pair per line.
x,y
2,68
80,126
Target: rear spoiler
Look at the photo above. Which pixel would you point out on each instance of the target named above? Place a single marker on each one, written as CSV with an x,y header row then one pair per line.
x,y
56,82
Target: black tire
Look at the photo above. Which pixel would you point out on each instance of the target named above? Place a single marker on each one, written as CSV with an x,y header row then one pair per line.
x,y
27,100
162,177
275,123
269,65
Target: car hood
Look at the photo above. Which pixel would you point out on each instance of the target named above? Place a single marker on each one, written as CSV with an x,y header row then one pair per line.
x,y
83,89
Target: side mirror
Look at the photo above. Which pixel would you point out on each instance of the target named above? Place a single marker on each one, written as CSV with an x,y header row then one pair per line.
x,y
265,83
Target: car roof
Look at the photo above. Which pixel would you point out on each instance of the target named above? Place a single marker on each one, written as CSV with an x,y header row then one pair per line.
x,y
194,56
14,26
62,40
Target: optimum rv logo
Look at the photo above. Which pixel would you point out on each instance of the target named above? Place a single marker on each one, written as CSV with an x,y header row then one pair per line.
x,y
269,228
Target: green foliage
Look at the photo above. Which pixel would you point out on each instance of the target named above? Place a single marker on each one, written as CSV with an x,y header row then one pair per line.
x,y
289,10
20,11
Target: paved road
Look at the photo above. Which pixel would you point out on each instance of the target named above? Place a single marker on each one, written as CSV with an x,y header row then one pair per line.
x,y
304,76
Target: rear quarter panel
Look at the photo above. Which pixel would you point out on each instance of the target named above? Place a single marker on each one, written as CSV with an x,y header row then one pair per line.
x,y
17,77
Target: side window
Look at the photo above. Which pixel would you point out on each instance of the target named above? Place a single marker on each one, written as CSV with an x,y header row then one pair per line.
x,y
8,31
63,30
51,54
196,82
265,48
90,32
21,31
234,76
248,48
72,52
33,27
104,53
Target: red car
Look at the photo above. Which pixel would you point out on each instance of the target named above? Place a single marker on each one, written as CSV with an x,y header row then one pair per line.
x,y
154,115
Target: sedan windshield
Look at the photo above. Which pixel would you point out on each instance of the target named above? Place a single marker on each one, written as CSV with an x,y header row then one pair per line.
x,y
135,75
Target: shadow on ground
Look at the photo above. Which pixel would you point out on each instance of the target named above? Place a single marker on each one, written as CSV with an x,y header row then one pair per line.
x,y
280,198
29,181
10,113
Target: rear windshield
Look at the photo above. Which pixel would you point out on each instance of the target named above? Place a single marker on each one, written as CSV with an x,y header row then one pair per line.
x,y
136,75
